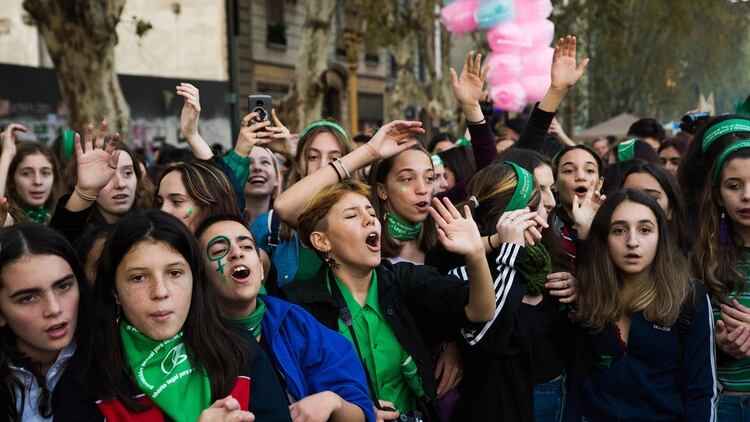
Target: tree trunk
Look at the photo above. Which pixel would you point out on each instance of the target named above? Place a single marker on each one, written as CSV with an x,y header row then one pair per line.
x,y
306,94
80,36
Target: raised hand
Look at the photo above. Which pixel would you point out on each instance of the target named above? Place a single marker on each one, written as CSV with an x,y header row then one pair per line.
x,y
96,161
585,210
251,135
565,72
520,227
9,137
392,138
457,234
468,87
191,109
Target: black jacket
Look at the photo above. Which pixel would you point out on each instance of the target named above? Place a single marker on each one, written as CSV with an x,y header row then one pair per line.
x,y
421,306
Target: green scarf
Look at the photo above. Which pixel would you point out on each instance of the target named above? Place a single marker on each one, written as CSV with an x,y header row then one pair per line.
x,y
36,214
535,267
402,230
252,321
164,373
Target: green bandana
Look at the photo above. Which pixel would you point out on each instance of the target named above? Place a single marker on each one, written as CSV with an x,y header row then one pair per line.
x,y
337,127
400,229
626,150
723,128
163,372
436,160
535,267
463,142
725,154
252,321
68,142
524,188
36,214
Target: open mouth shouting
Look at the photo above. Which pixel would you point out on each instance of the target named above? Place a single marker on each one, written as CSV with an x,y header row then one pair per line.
x,y
240,274
257,180
373,242
581,191
57,331
422,206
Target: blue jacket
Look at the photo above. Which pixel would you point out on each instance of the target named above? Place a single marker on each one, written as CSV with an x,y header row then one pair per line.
x,y
286,255
312,357
645,381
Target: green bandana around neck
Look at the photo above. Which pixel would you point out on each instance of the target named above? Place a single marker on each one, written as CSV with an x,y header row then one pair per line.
x,y
729,150
333,125
402,230
164,373
36,214
253,321
723,128
535,266
524,188
626,150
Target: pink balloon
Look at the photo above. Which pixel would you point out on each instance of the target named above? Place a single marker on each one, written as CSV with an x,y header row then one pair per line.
x,y
503,68
506,38
509,96
537,60
539,32
528,10
458,17
535,86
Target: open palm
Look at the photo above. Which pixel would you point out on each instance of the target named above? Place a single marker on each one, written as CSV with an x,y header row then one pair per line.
x,y
468,88
96,163
565,71
457,234
389,139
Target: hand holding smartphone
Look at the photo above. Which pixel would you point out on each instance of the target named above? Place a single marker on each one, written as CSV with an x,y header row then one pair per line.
x,y
260,104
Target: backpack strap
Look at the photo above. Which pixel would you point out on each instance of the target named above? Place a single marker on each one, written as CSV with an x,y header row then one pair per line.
x,y
274,225
683,324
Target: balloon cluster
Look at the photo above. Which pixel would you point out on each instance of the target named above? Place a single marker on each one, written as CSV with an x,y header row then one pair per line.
x,y
519,35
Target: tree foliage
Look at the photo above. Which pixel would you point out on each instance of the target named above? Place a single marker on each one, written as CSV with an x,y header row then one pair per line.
x,y
652,58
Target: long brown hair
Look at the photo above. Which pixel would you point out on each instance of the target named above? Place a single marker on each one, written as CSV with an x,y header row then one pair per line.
x,y
714,262
662,293
389,246
23,150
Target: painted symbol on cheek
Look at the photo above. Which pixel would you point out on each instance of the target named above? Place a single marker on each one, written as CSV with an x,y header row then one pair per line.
x,y
404,189
188,213
218,257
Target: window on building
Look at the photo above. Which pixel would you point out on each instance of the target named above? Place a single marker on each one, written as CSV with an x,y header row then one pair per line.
x,y
275,25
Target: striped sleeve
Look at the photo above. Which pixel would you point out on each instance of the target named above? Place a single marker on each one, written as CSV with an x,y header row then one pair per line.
x,y
700,390
505,276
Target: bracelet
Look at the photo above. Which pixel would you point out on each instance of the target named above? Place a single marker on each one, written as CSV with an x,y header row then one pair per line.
x,y
475,123
489,242
83,195
336,170
343,167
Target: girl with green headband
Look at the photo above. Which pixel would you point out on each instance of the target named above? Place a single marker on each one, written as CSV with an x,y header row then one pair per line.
x,y
29,177
721,258
158,347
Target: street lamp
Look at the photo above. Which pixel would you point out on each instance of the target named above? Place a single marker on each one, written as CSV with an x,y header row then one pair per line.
x,y
353,26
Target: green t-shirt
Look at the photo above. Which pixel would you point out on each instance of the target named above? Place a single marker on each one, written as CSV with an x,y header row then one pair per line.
x,y
392,371
734,374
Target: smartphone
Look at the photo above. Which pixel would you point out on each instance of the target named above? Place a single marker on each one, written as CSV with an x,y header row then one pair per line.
x,y
261,104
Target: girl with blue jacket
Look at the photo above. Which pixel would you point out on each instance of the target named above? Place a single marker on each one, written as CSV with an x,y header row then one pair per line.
x,y
646,344
318,368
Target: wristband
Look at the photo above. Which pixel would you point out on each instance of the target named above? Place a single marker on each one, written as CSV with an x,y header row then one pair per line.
x,y
489,242
84,196
343,167
475,123
336,170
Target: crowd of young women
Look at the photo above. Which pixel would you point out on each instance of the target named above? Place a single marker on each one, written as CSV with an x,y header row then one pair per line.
x,y
378,282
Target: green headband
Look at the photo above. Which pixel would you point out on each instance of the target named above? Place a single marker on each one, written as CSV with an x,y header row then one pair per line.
x,y
68,139
436,160
524,187
320,123
723,128
626,150
725,154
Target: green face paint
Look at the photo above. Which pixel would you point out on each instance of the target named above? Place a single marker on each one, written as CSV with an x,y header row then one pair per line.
x,y
188,213
220,246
